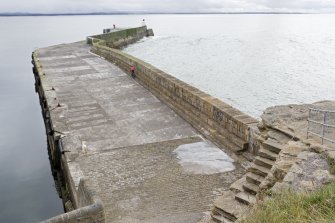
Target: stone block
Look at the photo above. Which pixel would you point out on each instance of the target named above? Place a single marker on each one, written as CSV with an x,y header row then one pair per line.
x,y
296,169
289,178
303,155
231,208
280,187
237,186
293,148
280,169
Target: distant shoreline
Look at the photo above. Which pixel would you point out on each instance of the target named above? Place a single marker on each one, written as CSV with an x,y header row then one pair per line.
x,y
149,13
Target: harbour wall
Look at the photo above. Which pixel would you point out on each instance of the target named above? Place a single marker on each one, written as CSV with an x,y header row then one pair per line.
x,y
218,121
123,37
81,204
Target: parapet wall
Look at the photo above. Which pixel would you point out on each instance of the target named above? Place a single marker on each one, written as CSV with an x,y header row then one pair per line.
x,y
120,38
215,119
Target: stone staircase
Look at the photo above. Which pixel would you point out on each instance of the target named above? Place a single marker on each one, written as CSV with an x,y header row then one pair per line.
x,y
235,203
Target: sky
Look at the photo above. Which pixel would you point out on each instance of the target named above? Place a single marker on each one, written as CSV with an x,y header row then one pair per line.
x,y
83,6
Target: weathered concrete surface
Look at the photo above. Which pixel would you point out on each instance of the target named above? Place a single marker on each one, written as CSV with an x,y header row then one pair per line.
x,y
122,138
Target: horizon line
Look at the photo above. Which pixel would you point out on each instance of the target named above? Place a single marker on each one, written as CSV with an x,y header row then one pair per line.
x,y
143,13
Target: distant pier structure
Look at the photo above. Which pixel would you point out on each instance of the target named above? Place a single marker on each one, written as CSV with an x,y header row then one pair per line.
x,y
117,144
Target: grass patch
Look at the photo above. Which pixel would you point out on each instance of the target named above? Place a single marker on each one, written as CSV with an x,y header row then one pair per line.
x,y
290,207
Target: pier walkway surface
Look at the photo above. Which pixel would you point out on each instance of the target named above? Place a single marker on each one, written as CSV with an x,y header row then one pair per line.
x,y
124,140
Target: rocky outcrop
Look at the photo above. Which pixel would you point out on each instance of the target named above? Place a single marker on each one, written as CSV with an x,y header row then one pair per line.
x,y
284,159
287,125
309,172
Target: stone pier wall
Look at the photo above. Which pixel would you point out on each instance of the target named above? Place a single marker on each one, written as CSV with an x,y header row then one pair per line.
x,y
123,37
88,207
218,121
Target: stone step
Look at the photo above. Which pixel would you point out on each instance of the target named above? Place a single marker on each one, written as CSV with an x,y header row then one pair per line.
x,y
228,207
246,198
251,188
217,218
220,219
237,186
278,136
254,178
267,154
264,162
272,146
259,170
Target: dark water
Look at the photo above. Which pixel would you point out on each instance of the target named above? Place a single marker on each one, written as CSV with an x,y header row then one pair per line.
x,y
26,185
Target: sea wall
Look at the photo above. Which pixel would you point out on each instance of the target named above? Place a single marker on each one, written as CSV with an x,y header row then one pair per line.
x,y
81,203
215,119
121,38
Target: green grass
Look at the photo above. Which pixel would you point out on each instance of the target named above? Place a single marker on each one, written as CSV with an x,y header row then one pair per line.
x,y
289,207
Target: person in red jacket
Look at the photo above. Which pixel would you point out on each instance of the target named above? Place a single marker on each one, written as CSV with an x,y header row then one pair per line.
x,y
132,70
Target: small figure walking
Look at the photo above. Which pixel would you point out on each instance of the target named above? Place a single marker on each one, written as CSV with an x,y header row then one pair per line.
x,y
113,26
132,70
143,22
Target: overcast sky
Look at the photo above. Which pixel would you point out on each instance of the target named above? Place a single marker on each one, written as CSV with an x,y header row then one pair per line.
x,y
57,6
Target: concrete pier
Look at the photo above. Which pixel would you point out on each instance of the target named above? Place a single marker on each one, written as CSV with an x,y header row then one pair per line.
x,y
121,141
150,149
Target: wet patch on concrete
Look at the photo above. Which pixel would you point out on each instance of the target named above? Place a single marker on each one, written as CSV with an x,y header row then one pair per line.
x,y
146,183
203,158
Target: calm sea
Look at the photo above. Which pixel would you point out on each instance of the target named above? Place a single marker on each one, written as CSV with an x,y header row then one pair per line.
x,y
249,61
